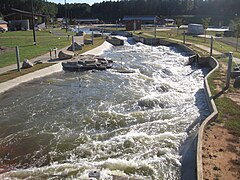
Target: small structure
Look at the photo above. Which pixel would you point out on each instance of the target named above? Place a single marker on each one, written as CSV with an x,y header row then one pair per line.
x,y
169,22
195,29
135,22
3,25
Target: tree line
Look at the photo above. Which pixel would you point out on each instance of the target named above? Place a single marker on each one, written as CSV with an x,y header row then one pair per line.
x,y
114,10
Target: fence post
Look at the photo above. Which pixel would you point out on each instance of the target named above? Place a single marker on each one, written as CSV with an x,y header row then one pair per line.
x,y
230,55
211,47
18,59
73,45
50,51
92,38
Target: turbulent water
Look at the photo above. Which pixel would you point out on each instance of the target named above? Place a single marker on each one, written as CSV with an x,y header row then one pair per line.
x,y
133,125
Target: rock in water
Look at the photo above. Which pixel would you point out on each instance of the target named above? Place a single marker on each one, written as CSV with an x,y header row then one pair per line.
x,y
27,64
65,55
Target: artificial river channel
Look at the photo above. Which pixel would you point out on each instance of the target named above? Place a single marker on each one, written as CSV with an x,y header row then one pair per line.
x,y
133,125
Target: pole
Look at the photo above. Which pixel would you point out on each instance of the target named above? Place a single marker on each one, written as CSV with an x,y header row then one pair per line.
x,y
155,29
229,70
237,43
18,59
33,22
66,16
92,38
73,45
211,47
184,37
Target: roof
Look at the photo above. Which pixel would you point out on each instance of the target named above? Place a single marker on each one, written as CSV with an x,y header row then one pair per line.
x,y
141,18
15,11
87,20
3,22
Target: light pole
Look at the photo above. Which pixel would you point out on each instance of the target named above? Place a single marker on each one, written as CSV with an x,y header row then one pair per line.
x,y
34,34
66,15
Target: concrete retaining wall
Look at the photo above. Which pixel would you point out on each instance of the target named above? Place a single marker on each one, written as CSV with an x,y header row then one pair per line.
x,y
214,113
37,74
162,42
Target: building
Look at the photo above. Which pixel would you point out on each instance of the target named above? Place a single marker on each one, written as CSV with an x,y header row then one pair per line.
x,y
20,20
134,22
195,29
3,25
87,21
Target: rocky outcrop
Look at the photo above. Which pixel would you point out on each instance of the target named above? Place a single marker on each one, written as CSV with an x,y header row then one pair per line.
x,y
26,64
62,55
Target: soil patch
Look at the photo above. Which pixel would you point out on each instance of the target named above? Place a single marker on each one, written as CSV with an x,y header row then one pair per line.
x,y
221,153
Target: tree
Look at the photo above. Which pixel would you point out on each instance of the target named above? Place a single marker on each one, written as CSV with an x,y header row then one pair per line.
x,y
205,22
179,22
235,26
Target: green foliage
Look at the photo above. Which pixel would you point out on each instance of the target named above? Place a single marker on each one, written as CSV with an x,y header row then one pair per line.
x,y
235,26
205,22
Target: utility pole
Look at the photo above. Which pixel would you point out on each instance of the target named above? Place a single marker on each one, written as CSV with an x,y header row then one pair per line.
x,y
66,16
33,22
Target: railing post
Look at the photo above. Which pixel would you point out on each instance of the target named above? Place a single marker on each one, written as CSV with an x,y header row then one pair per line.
x,y
230,55
92,38
184,37
50,51
211,47
73,45
18,59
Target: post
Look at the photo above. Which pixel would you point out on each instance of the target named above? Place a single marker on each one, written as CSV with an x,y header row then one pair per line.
x,y
73,45
92,38
229,70
55,50
18,59
50,52
78,28
134,25
237,43
184,37
66,16
211,47
34,34
155,29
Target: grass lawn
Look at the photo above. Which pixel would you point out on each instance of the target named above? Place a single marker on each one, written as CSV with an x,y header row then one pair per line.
x,y
14,73
24,39
219,46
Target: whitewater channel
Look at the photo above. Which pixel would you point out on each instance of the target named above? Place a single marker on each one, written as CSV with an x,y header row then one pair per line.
x,y
133,125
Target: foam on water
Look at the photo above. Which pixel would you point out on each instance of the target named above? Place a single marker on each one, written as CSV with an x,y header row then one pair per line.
x,y
133,125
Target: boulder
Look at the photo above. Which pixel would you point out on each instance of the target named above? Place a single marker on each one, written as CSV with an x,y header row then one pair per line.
x,y
62,55
87,41
26,64
77,47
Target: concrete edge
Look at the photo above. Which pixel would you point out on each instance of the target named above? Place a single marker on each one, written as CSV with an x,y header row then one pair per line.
x,y
5,86
214,113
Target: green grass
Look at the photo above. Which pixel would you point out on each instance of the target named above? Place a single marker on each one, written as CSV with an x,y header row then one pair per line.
x,y
14,73
219,46
27,50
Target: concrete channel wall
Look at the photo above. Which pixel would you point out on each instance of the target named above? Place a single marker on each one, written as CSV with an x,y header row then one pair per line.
x,y
5,86
214,113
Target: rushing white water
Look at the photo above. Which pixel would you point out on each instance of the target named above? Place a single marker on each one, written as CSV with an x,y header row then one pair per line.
x,y
132,125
